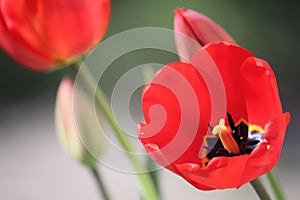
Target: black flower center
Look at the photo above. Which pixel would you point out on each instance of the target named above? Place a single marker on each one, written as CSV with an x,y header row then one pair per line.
x,y
247,140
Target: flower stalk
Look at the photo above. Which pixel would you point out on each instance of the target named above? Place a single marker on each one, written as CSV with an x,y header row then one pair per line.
x,y
148,188
275,185
100,183
260,189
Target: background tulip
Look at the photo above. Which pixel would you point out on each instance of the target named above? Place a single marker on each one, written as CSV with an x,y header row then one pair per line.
x,y
77,129
44,34
196,27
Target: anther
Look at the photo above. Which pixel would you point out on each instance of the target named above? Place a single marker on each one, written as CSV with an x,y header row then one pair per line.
x,y
226,137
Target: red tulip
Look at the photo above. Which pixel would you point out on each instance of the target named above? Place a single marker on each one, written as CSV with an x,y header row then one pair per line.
x,y
42,34
243,146
196,27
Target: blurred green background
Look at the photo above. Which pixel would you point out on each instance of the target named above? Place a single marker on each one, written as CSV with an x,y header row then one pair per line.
x,y
269,29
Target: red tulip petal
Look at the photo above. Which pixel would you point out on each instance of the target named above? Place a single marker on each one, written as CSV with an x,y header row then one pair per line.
x,y
275,129
21,32
22,54
220,173
228,58
260,91
74,27
266,155
207,68
172,104
188,168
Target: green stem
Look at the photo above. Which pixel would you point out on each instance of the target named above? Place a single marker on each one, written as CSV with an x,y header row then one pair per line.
x,y
275,186
100,183
260,189
154,174
147,186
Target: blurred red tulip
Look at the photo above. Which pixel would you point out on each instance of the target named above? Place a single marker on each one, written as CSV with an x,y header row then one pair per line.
x,y
247,142
42,34
197,27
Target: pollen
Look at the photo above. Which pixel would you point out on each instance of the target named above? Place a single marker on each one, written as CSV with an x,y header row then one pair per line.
x,y
220,127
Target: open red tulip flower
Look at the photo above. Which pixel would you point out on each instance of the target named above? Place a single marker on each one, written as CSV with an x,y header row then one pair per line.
x,y
42,35
217,121
242,145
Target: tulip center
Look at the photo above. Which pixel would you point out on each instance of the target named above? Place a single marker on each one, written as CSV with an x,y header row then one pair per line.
x,y
232,140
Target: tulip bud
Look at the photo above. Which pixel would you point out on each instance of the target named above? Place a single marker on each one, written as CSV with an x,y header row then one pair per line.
x,y
199,29
43,35
77,129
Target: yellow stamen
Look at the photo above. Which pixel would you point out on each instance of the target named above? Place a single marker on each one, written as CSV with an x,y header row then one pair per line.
x,y
226,137
253,127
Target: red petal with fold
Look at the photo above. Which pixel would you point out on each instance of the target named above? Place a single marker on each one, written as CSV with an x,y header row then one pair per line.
x,y
176,105
229,59
260,91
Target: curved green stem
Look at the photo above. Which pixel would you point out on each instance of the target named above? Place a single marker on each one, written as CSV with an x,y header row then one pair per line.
x,y
149,191
275,186
260,189
100,183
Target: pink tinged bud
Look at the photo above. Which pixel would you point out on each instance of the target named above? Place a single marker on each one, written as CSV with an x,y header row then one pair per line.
x,y
194,30
77,129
